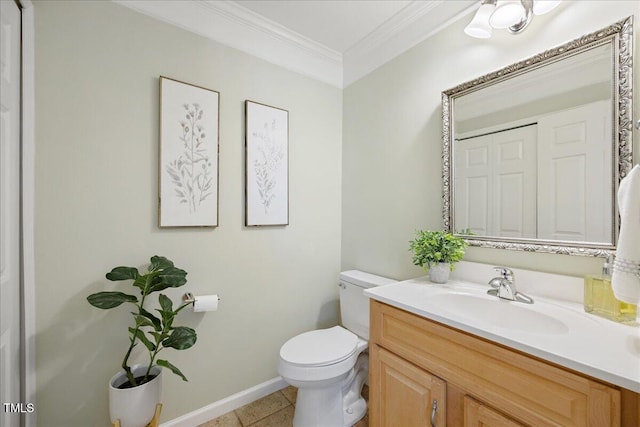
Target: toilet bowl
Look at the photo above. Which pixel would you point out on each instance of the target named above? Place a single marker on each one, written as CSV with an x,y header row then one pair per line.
x,y
330,366
322,365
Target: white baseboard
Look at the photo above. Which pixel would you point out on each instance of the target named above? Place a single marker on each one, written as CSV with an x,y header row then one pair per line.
x,y
228,404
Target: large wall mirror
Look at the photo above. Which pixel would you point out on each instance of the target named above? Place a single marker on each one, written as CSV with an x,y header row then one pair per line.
x,y
533,153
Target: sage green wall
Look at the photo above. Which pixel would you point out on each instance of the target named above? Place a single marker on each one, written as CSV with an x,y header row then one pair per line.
x,y
97,68
392,130
96,201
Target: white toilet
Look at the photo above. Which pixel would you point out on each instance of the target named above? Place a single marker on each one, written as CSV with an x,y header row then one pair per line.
x,y
330,366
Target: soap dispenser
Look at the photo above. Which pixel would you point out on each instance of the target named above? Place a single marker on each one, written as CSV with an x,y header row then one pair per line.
x,y
600,300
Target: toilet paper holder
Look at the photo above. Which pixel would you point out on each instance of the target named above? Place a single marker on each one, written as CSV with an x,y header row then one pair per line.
x,y
190,299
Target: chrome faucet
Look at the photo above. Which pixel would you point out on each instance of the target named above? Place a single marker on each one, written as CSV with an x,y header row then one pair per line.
x,y
504,287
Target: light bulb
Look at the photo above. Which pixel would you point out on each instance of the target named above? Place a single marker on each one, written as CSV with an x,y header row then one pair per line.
x,y
507,13
479,26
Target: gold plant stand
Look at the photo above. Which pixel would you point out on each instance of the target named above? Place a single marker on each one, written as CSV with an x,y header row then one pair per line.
x,y
155,421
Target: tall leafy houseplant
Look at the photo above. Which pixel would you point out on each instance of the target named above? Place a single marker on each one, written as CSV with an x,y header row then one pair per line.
x,y
430,248
155,331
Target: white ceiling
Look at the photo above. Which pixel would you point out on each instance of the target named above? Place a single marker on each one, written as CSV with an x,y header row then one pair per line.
x,y
335,41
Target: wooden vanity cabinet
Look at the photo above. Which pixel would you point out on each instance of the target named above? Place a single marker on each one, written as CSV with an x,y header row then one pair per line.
x,y
415,361
412,396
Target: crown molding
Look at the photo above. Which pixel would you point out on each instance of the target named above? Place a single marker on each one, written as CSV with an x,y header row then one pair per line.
x,y
233,25
250,19
412,25
401,20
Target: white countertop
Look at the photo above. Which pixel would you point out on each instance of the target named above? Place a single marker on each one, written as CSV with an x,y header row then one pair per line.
x,y
554,330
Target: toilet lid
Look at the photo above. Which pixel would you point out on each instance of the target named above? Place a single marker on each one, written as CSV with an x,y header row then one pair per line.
x,y
319,348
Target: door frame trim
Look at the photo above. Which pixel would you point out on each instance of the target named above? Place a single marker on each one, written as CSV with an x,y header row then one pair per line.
x,y
28,297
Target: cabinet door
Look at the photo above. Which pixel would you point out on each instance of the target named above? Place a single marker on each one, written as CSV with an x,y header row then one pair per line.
x,y
403,394
478,415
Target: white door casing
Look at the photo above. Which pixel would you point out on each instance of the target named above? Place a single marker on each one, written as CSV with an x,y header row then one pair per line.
x,y
10,273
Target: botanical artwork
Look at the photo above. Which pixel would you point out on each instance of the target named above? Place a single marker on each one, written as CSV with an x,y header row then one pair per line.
x,y
191,170
267,185
188,155
268,160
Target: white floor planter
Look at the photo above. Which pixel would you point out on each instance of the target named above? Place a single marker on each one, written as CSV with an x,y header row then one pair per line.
x,y
134,407
439,272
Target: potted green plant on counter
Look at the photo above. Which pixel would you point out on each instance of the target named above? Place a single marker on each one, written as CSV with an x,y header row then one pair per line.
x,y
437,252
135,391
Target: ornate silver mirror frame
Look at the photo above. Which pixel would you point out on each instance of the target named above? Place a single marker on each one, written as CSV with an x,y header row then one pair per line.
x,y
620,37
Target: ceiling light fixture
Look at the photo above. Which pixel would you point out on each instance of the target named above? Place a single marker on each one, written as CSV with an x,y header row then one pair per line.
x,y
514,15
479,26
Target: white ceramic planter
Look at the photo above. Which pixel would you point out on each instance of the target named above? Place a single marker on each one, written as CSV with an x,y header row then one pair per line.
x,y
134,407
439,272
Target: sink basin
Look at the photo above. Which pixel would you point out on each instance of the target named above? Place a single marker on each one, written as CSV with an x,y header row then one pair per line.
x,y
499,313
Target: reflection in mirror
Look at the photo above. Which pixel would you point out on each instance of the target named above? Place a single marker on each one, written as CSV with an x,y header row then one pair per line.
x,y
533,153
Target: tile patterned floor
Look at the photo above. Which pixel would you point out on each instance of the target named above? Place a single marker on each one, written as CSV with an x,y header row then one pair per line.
x,y
274,410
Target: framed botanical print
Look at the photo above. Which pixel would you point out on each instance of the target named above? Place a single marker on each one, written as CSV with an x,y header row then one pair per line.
x,y
266,165
188,166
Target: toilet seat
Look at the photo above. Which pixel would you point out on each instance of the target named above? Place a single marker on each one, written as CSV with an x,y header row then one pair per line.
x,y
319,348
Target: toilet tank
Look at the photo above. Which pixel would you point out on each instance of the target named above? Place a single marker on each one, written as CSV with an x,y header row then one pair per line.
x,y
354,305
